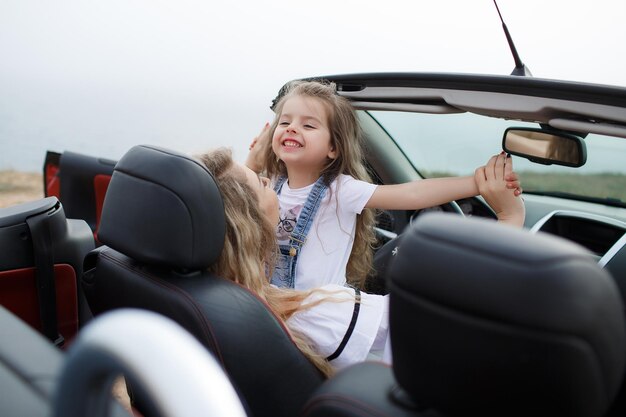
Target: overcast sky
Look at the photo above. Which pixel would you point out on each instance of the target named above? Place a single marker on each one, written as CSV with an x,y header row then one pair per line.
x,y
100,76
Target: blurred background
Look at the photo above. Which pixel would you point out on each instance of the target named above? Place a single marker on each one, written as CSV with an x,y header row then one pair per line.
x,y
98,77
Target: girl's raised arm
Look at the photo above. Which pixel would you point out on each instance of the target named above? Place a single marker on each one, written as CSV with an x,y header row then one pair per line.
x,y
420,194
430,192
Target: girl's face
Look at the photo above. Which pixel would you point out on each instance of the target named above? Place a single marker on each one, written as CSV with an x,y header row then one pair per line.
x,y
302,136
268,201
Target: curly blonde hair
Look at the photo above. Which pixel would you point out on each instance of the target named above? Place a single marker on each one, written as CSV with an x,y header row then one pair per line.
x,y
250,248
346,138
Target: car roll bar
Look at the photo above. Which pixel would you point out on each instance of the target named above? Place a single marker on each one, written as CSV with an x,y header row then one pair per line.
x,y
156,356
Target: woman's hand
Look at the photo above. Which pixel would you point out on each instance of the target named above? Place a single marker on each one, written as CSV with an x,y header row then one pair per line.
x,y
255,160
500,187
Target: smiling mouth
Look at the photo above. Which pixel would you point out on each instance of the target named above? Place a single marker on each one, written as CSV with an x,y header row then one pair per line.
x,y
289,143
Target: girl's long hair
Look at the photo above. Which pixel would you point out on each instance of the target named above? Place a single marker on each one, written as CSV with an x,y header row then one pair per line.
x,y
346,138
250,248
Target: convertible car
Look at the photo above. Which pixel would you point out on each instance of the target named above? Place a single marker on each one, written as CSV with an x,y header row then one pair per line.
x,y
485,319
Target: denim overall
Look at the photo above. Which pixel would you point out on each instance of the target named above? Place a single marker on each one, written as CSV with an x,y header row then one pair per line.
x,y
285,269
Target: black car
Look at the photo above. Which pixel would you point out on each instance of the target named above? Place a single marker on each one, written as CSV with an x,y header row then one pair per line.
x,y
501,321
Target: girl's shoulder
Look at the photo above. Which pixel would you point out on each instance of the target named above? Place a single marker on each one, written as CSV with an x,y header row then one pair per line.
x,y
342,179
348,184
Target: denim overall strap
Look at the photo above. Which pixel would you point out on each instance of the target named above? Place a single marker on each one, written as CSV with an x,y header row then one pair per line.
x,y
279,184
305,219
285,268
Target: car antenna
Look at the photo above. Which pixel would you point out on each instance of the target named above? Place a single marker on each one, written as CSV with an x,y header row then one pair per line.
x,y
520,68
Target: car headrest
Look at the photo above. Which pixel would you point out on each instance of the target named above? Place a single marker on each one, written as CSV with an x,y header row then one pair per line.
x,y
163,208
492,320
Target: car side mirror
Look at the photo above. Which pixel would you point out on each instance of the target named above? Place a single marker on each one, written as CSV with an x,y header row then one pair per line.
x,y
545,147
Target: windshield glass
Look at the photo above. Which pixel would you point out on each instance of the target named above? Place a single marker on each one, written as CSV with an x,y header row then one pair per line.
x,y
455,144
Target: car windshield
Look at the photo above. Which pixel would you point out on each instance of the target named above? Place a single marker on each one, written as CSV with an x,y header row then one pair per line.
x,y
455,144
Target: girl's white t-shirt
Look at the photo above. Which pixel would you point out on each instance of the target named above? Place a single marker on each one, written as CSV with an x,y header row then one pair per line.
x,y
325,325
325,253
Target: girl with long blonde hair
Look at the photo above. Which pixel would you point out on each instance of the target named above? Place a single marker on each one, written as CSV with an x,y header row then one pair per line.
x,y
313,153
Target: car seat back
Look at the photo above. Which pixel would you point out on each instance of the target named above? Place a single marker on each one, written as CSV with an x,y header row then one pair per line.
x,y
493,320
488,320
80,182
162,226
42,255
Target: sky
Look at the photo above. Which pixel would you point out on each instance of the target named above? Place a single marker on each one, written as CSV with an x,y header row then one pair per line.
x,y
101,76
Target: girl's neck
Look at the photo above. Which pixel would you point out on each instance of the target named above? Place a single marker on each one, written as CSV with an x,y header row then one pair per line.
x,y
299,178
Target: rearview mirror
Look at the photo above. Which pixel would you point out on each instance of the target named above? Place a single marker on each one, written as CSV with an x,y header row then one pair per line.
x,y
545,147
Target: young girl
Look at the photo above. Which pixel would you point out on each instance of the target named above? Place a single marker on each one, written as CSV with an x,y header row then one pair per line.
x,y
318,319
315,159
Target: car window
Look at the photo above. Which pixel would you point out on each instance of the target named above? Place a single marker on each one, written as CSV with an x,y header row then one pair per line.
x,y
455,144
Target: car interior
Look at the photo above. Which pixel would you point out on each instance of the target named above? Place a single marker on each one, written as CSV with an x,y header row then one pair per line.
x,y
557,109
519,348
519,324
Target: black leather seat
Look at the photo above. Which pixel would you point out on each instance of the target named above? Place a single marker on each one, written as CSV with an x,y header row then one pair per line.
x,y
31,368
40,264
492,321
162,226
